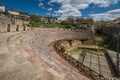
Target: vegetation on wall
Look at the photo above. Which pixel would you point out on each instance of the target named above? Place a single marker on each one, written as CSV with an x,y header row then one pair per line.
x,y
42,24
102,24
91,22
1,12
6,13
34,18
108,41
67,24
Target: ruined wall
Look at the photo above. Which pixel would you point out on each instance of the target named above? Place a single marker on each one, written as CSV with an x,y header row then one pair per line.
x,y
68,45
12,25
65,46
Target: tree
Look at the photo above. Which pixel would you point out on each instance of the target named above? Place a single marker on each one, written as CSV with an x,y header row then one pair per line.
x,y
91,22
66,24
71,20
34,18
102,24
1,12
6,13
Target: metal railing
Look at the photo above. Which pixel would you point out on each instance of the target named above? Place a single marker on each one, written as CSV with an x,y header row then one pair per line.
x,y
82,68
115,33
90,73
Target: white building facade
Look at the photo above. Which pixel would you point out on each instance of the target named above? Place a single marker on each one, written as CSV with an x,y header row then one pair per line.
x,y
14,12
2,7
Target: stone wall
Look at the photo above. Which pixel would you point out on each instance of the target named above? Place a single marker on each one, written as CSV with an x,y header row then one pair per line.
x,y
65,46
8,25
68,45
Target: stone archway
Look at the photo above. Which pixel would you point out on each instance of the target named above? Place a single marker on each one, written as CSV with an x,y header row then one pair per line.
x,y
17,28
8,28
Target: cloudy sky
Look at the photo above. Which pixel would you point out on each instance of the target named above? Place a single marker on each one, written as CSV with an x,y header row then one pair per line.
x,y
97,9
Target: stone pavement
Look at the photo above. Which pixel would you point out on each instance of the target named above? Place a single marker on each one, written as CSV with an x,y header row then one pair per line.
x,y
113,56
25,56
95,62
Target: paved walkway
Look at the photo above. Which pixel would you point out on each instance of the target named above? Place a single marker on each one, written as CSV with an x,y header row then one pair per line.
x,y
95,62
25,56
99,64
113,56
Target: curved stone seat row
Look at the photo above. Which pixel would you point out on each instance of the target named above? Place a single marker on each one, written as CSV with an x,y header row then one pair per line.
x,y
25,55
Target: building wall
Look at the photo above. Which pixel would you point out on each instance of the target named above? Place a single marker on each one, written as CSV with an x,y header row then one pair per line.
x,y
2,8
14,12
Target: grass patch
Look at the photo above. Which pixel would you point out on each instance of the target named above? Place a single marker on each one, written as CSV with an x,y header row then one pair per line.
x,y
79,51
94,52
99,38
75,51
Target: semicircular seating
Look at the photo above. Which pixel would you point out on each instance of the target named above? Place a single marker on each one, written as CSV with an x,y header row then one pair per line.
x,y
26,55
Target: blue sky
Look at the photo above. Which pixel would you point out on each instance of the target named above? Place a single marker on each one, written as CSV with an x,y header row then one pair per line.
x,y
97,9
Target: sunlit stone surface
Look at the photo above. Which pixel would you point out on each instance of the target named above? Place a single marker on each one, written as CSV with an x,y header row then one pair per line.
x,y
25,56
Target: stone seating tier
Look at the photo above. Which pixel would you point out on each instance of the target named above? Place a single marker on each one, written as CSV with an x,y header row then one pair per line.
x,y
26,56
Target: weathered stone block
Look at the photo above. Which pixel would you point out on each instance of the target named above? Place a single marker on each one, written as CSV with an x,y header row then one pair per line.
x,y
13,28
75,43
4,28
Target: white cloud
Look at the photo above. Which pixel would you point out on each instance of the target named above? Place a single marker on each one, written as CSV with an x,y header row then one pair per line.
x,y
43,7
73,7
50,9
41,4
50,4
105,3
107,16
48,14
